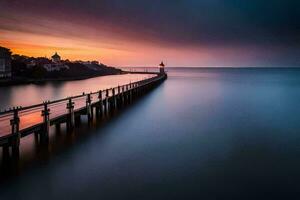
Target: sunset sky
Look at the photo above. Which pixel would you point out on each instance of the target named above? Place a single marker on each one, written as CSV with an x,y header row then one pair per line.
x,y
144,32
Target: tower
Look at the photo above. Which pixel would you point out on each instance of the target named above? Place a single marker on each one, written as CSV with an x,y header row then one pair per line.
x,y
162,67
56,58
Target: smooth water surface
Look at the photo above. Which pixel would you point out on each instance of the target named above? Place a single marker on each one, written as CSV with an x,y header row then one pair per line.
x,y
202,134
28,94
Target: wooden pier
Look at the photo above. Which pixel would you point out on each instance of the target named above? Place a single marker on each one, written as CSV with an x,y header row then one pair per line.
x,y
20,122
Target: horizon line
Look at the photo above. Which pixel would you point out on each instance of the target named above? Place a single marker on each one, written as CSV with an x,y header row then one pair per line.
x,y
237,67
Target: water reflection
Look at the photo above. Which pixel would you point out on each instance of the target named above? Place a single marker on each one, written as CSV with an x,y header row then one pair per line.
x,y
31,148
221,134
33,151
24,95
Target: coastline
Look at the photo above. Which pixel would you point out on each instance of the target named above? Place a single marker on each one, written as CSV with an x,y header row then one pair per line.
x,y
24,80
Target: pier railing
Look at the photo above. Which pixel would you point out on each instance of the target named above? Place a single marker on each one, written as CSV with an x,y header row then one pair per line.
x,y
21,121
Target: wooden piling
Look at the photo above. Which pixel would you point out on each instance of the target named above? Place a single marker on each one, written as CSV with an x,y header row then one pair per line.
x,y
101,103
71,116
130,92
16,135
114,100
122,95
106,106
46,123
89,107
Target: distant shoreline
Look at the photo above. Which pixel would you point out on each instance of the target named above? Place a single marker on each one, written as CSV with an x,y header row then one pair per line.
x,y
24,80
127,68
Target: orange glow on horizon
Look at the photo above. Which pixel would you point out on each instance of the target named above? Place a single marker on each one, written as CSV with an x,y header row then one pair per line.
x,y
110,51
117,37
45,36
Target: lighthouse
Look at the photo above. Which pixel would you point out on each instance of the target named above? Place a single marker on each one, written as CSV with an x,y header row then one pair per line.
x,y
162,68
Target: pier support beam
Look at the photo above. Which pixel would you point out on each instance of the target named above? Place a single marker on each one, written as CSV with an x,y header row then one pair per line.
x,y
119,97
15,126
71,116
106,105
135,90
130,92
114,99
122,95
46,123
127,94
99,108
89,107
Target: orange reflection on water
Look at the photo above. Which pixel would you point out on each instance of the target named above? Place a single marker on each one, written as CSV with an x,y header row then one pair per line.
x,y
27,95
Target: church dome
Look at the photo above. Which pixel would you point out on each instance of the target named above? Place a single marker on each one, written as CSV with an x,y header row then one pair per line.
x,y
56,56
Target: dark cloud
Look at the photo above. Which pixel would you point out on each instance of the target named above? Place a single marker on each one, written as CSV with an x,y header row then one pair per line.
x,y
191,21
215,23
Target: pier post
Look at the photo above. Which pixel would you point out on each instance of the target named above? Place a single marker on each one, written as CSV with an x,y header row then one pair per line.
x,y
71,116
127,94
114,101
119,96
46,123
106,101
122,96
130,92
15,126
136,89
133,90
100,106
89,107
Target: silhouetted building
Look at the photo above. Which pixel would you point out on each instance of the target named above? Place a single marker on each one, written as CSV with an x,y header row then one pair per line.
x,y
56,58
162,68
5,63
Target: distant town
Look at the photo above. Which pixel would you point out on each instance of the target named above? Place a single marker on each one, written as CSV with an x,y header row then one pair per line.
x,y
16,68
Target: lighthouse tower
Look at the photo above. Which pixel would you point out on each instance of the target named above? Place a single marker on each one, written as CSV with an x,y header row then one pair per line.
x,y
162,68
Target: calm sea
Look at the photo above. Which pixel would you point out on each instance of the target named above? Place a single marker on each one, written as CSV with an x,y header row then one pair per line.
x,y
202,134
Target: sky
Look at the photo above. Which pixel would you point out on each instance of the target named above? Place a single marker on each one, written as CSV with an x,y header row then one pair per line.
x,y
183,33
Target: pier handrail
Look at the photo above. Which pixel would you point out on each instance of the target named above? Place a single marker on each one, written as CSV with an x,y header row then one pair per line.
x,y
7,115
20,122
22,108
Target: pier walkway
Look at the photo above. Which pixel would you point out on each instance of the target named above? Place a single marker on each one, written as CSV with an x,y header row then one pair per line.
x,y
19,122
